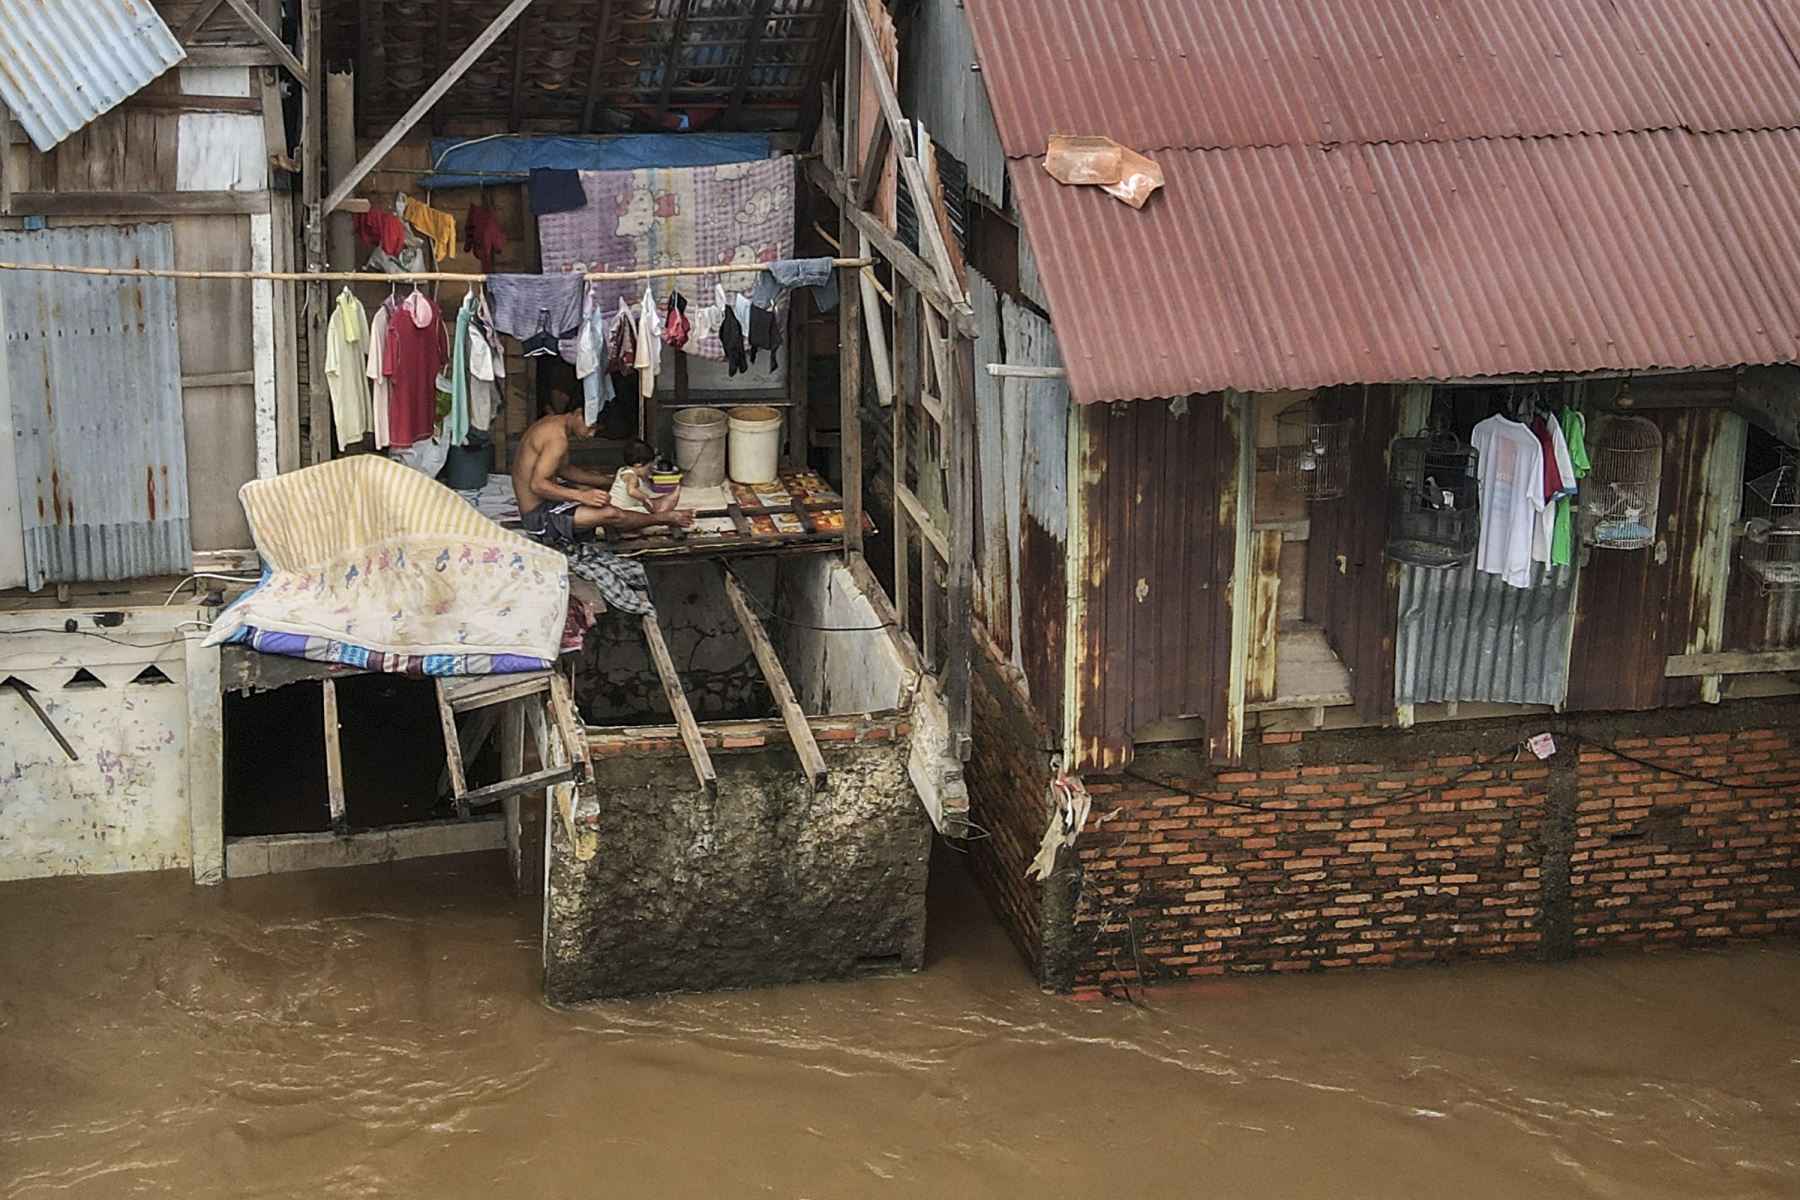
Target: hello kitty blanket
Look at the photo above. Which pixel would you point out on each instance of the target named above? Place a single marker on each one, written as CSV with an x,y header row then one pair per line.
x,y
731,215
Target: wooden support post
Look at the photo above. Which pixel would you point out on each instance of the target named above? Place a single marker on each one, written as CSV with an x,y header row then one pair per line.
x,y
453,761
678,704
574,734
906,377
334,761
959,450
312,178
798,386
874,320
850,334
287,315
512,765
792,715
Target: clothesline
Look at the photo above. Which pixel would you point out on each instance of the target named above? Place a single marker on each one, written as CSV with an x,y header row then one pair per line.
x,y
396,276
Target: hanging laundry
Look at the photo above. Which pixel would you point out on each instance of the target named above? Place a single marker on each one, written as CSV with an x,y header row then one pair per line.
x,y
1562,539
553,191
676,326
437,225
649,345
456,423
410,260
378,380
483,237
527,306
1510,470
740,304
621,342
731,336
765,334
590,356
485,368
383,229
705,322
1559,480
416,352
346,369
785,274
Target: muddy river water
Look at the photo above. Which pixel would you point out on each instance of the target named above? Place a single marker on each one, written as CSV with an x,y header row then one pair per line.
x,y
377,1032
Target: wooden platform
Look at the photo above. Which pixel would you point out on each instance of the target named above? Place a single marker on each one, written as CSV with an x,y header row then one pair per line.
x,y
1307,673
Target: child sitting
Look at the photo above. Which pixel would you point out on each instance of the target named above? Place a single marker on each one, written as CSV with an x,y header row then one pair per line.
x,y
631,486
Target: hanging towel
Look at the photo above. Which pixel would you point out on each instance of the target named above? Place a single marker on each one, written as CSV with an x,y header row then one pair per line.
x,y
483,237
527,305
554,191
436,225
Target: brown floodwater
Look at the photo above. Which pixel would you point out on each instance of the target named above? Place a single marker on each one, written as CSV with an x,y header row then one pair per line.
x,y
377,1032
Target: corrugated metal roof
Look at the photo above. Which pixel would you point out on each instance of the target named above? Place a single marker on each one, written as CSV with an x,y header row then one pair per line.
x,y
1299,267
95,381
64,62
1161,74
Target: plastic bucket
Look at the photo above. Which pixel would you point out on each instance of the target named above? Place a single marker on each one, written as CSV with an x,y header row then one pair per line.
x,y
755,444
700,446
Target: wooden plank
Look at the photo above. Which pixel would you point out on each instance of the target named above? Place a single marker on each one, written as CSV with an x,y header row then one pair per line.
x,y
254,22
873,323
138,204
219,379
202,13
672,62
959,407
850,379
799,355
1235,504
759,20
678,704
506,788
459,783
603,31
1731,662
228,56
1265,614
792,715
180,102
562,708
512,765
498,26
868,177
262,346
915,508
334,760
471,692
906,306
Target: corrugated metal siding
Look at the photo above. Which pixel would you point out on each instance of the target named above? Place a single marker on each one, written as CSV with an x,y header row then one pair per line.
x,y
1159,507
1466,635
943,89
1040,529
1295,267
96,404
996,488
1356,606
1162,74
1759,620
64,62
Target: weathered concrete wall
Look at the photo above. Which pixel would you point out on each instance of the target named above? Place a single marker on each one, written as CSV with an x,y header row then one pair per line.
x,y
832,646
766,885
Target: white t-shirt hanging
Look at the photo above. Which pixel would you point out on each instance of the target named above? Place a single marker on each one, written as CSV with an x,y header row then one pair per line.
x,y
649,345
1510,468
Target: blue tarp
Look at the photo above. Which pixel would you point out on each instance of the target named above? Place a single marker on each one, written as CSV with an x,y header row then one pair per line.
x,y
509,159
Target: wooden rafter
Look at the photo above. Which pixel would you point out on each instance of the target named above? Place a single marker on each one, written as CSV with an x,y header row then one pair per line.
x,y
201,15
440,46
268,37
672,63
759,21
605,24
520,37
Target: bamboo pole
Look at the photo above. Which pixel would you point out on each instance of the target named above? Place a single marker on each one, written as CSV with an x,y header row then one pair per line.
x,y
380,276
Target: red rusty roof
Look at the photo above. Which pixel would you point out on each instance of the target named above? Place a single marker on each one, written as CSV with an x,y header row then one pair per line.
x,y
1381,190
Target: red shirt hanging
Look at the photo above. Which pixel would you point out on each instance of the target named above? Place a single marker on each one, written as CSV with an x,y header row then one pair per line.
x,y
416,352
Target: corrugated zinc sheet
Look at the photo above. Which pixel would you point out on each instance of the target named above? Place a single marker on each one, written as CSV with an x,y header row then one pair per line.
x,y
1162,74
942,88
95,380
1040,526
64,62
1297,267
1466,635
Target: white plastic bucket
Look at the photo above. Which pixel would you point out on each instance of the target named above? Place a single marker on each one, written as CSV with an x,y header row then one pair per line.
x,y
700,446
755,444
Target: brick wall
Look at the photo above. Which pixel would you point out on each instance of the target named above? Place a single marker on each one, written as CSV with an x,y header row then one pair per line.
x,y
1008,775
1379,848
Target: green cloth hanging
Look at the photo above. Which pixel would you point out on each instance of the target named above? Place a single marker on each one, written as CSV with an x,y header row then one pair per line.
x,y
1562,543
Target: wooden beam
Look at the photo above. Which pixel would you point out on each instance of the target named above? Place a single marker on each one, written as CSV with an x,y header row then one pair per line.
x,y
138,204
228,56
219,379
517,97
201,15
536,781
1732,662
1020,371
759,20
498,26
917,271
334,760
312,184
915,509
792,715
906,376
459,782
850,381
268,37
603,30
678,704
673,62
562,707
512,765
868,177
959,407
183,102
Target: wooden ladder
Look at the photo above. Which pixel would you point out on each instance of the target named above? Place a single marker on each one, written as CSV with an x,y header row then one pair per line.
x,y
562,758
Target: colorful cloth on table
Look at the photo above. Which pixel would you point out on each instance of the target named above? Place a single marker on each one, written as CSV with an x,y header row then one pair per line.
x,y
438,227
371,564
736,214
383,229
347,369
555,191
483,237
528,305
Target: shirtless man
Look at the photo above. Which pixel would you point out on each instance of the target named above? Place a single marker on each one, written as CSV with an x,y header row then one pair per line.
x,y
565,502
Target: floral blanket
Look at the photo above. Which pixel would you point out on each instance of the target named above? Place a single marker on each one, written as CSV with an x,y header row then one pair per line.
x,y
370,563
734,214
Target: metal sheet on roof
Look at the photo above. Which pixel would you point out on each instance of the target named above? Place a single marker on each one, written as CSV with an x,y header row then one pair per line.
x,y
64,62
1299,267
1160,74
95,382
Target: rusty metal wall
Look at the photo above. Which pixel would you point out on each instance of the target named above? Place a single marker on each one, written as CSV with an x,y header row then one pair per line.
x,y
1466,635
1158,507
95,383
941,87
1352,591
1040,528
64,62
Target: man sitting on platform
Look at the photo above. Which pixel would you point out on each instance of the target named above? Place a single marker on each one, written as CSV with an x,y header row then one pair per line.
x,y
561,502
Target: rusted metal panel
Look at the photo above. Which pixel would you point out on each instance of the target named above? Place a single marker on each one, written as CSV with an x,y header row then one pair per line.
x,y
1466,635
942,88
1352,591
64,62
1707,496
1265,615
1162,74
1296,267
95,382
1041,526
997,487
1759,620
1160,508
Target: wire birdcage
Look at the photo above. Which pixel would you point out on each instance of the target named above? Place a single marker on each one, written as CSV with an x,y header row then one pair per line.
x,y
1434,517
1313,449
1771,546
1619,496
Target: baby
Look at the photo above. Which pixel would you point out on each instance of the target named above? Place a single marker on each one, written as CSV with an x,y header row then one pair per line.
x,y
631,486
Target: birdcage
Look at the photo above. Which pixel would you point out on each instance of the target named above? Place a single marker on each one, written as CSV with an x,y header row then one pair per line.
x,y
1433,501
1313,449
1771,545
1618,497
